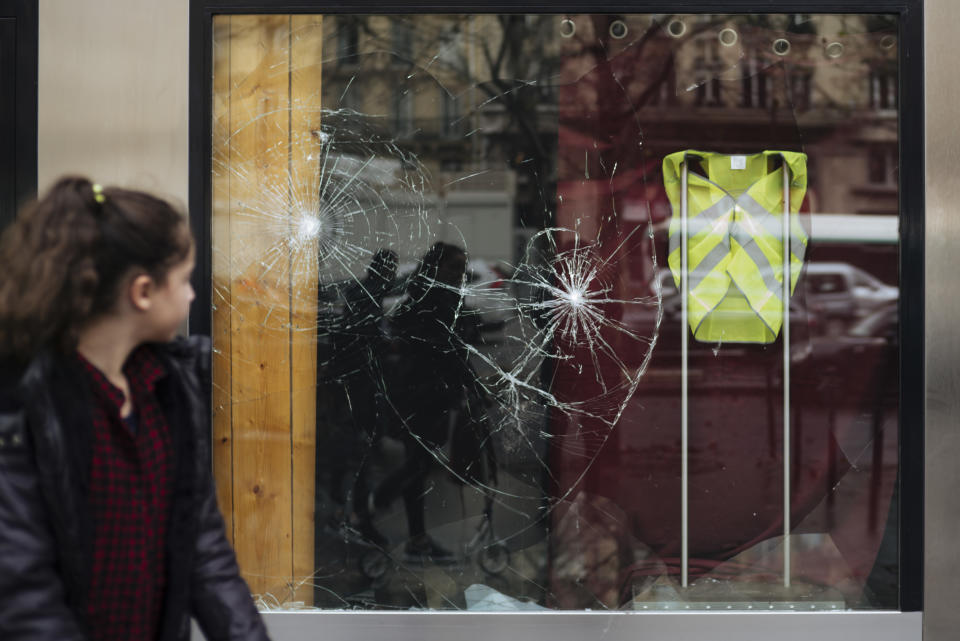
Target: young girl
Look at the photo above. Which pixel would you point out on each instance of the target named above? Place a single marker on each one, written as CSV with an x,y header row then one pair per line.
x,y
109,527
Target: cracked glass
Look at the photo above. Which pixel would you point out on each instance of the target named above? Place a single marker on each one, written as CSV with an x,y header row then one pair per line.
x,y
557,312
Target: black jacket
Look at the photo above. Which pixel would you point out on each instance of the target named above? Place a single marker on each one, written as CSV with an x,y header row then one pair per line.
x,y
46,531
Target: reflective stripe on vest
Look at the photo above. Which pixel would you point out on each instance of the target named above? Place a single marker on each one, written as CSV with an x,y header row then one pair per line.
x,y
735,240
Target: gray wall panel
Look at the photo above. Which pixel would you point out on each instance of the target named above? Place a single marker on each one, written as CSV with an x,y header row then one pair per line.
x,y
112,93
942,562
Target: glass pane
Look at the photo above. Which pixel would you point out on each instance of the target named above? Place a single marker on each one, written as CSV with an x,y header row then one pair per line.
x,y
500,320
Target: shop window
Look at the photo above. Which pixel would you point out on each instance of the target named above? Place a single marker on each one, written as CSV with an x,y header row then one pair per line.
x,y
754,85
801,85
402,40
499,337
882,164
348,41
403,123
883,89
451,118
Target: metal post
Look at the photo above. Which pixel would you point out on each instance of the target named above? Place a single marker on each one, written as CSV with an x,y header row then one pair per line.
x,y
684,560
786,373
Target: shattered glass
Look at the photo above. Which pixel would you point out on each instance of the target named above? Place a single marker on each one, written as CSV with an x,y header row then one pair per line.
x,y
450,234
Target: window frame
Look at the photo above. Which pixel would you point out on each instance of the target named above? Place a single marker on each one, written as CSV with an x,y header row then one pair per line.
x,y
907,622
24,16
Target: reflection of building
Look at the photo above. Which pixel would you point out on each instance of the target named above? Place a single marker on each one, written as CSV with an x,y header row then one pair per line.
x,y
480,96
825,85
451,90
730,87
379,65
505,127
470,94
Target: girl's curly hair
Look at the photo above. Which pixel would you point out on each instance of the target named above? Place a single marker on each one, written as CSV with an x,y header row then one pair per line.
x,y
64,258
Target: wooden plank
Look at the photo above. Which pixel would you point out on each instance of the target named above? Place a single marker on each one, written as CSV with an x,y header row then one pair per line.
x,y
260,294
306,56
222,437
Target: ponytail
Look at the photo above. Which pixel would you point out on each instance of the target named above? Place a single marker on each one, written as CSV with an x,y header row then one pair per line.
x,y
63,260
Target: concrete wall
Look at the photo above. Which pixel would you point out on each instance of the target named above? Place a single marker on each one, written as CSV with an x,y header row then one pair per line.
x,y
113,93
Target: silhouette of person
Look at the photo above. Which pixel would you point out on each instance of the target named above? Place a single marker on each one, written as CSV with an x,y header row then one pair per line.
x,y
358,350
430,329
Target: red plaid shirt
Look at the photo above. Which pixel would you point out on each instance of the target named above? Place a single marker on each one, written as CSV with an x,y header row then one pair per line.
x,y
131,479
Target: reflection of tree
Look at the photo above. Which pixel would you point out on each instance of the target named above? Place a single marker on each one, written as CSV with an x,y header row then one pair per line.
x,y
525,85
506,59
519,80
492,86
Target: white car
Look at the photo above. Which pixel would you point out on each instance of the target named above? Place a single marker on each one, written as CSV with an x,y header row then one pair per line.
x,y
842,293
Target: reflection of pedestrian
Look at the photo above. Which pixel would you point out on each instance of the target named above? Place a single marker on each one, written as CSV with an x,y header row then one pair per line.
x,y
358,346
428,382
359,342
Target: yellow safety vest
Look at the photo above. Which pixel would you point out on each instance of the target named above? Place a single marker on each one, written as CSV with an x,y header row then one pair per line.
x,y
734,240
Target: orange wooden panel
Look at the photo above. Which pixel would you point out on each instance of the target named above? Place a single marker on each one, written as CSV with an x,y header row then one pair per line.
x,y
260,351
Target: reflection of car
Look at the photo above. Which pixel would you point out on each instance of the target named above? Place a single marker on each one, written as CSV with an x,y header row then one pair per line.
x,y
869,348
878,330
883,323
487,294
842,293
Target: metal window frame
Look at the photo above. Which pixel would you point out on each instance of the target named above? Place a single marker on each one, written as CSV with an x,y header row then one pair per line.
x,y
905,624
23,13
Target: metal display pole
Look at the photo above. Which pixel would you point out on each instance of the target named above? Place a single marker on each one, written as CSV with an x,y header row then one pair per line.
x,y
684,390
684,560
786,374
